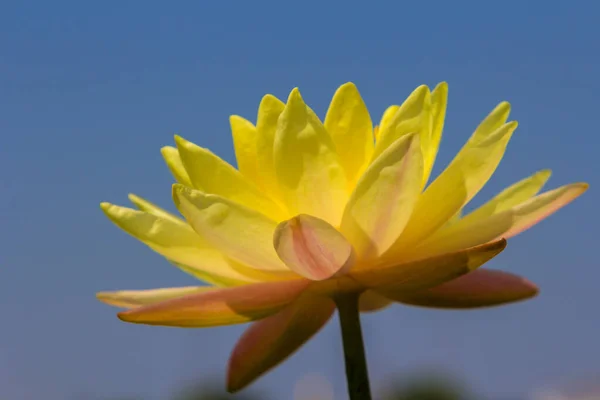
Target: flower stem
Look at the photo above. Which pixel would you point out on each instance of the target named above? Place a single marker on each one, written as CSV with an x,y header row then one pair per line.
x,y
354,348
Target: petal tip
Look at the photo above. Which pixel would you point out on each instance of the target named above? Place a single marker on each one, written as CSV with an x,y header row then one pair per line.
x,y
165,150
295,96
504,105
126,316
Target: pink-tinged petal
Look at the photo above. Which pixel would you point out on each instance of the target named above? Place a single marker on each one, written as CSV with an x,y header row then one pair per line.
x,y
426,273
270,341
371,301
138,298
383,200
542,206
312,247
219,306
503,224
481,288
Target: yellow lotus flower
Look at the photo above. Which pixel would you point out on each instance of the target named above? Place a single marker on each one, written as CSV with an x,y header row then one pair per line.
x,y
317,209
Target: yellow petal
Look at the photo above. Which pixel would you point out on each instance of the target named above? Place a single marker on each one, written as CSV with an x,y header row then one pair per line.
x,y
138,298
480,288
511,196
173,160
349,124
269,110
439,101
308,169
491,123
211,174
238,232
504,224
375,132
371,301
245,144
312,248
542,206
382,202
425,273
270,341
462,235
413,116
218,306
177,242
386,118
479,226
151,208
464,177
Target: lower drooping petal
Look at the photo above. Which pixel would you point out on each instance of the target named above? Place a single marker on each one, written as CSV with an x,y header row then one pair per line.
x,y
371,301
138,298
219,306
426,273
312,247
480,288
270,341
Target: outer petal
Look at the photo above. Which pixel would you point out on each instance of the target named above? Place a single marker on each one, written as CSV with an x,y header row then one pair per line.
x,y
480,288
238,232
382,202
219,306
269,110
137,298
310,176
423,274
511,196
179,243
151,208
349,124
312,248
173,160
542,206
270,341
439,101
244,142
460,236
470,232
464,177
212,175
371,301
413,116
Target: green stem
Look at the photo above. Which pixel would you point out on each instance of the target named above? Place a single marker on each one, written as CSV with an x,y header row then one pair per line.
x,y
354,348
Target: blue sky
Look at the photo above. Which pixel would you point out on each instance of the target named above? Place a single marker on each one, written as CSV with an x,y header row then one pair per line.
x,y
89,92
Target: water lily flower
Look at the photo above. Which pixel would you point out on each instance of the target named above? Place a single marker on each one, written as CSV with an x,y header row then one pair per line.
x,y
318,209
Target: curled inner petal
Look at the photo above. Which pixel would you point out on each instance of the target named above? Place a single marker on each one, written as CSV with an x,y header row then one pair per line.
x,y
312,248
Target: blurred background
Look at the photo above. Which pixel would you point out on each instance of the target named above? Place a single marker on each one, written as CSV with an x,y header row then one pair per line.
x,y
90,91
